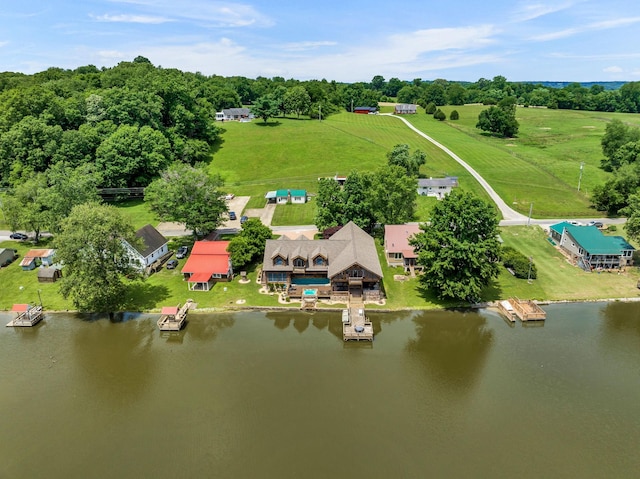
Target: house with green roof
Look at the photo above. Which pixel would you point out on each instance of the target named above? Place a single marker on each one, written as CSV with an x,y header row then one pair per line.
x,y
284,196
590,249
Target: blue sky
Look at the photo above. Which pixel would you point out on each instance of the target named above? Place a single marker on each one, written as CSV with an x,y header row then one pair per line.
x,y
348,40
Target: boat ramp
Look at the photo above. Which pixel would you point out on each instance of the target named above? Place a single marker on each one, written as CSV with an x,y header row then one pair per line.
x,y
26,315
525,310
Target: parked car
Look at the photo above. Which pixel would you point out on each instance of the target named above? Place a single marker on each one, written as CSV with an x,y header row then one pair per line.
x,y
597,224
229,196
172,264
18,236
243,219
574,223
182,252
232,215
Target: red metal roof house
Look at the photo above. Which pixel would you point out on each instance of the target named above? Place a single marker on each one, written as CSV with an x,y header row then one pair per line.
x,y
397,249
208,263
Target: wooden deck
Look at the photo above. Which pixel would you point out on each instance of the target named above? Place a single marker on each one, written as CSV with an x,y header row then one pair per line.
x,y
527,310
174,318
506,309
27,315
355,325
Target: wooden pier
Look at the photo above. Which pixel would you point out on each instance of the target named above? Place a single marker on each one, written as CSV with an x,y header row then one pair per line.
x,y
27,315
355,325
173,317
525,310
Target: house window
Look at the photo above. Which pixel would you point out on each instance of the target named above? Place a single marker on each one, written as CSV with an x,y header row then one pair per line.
x,y
396,255
299,263
216,275
355,273
277,277
319,261
279,261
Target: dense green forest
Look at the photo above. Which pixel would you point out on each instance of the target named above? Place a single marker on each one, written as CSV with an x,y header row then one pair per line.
x,y
126,124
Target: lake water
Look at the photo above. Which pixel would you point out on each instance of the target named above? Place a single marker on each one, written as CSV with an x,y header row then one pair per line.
x,y
280,395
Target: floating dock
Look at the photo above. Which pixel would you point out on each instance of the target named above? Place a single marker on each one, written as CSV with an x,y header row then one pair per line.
x,y
173,318
27,315
525,310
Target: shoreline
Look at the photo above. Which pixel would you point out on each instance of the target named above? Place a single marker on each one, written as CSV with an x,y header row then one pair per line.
x,y
245,308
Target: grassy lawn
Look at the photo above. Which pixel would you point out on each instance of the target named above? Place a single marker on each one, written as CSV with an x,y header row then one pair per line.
x,y
558,279
290,215
288,153
20,286
138,213
540,166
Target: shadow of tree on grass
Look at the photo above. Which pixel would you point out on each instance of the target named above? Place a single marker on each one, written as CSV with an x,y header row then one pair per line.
x,y
142,296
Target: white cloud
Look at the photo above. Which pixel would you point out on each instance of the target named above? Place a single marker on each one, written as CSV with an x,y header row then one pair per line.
x,y
613,69
604,25
309,45
125,18
530,11
403,55
206,12
2,44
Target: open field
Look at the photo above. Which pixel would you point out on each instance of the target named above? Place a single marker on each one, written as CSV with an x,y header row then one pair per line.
x,y
254,158
540,166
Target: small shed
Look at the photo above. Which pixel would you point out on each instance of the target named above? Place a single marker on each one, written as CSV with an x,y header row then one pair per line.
x,y
49,275
7,255
36,257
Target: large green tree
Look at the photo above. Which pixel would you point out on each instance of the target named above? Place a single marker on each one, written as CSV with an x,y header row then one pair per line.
x,y
458,248
96,262
297,100
189,196
411,163
393,195
132,156
249,244
265,107
500,119
329,204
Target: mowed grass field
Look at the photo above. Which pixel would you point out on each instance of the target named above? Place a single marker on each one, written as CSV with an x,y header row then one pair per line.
x,y
254,158
542,164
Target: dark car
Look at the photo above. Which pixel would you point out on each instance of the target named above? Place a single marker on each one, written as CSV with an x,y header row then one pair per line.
x,y
172,263
182,252
243,219
597,224
18,236
232,215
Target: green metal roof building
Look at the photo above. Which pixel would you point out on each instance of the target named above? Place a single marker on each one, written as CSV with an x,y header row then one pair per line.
x,y
590,248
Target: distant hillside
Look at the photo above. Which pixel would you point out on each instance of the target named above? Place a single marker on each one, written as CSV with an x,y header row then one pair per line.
x,y
608,85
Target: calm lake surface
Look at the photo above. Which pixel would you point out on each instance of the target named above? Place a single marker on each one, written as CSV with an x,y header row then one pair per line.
x,y
279,395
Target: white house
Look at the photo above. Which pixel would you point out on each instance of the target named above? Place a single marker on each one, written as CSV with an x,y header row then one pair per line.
x,y
154,247
437,187
234,114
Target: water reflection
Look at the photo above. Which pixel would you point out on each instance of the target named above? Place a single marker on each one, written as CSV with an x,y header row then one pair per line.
x,y
115,357
622,318
451,347
207,327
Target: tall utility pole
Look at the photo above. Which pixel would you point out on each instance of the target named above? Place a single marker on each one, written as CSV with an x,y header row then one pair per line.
x,y
530,211
320,112
352,105
580,178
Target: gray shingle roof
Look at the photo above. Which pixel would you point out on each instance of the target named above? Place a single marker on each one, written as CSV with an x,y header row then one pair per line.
x,y
151,239
349,246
